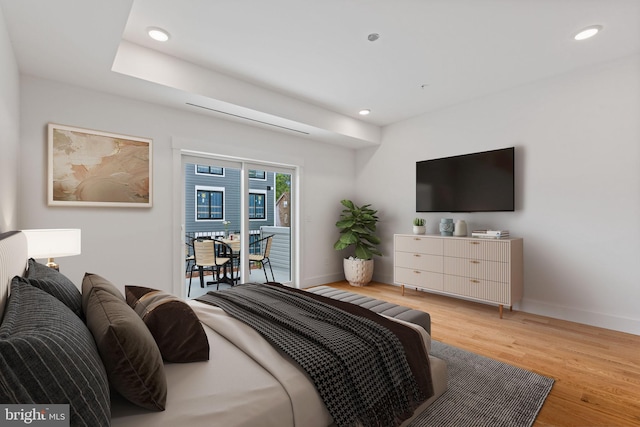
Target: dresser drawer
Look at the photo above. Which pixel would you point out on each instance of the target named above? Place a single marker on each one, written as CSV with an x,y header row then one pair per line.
x,y
419,261
491,250
417,244
477,269
418,278
485,290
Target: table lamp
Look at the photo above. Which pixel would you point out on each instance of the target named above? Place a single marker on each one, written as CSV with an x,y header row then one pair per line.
x,y
53,243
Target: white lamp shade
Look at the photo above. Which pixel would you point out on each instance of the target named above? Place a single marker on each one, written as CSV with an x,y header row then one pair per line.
x,y
53,243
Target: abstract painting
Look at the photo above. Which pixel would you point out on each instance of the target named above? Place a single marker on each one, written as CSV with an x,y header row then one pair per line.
x,y
94,168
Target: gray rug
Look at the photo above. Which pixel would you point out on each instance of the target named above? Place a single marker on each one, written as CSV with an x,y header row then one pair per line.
x,y
484,392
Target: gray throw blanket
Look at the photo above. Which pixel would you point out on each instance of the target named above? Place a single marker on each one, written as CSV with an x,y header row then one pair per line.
x,y
358,367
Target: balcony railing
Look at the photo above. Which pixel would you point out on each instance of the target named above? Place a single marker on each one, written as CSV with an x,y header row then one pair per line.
x,y
280,249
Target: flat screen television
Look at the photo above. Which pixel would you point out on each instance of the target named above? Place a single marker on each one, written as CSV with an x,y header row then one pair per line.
x,y
477,182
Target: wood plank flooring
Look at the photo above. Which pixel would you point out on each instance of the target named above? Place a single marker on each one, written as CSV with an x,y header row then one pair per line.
x,y
596,371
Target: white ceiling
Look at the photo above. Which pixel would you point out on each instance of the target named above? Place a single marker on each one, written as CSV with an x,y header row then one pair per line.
x,y
306,66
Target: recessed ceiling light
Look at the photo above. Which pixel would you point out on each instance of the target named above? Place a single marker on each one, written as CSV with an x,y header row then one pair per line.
x,y
158,34
373,37
588,32
364,112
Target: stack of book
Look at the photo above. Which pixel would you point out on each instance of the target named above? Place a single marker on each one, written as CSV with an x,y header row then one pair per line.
x,y
490,234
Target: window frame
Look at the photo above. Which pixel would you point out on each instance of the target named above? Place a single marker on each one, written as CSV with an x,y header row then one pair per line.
x,y
263,193
217,175
221,190
260,178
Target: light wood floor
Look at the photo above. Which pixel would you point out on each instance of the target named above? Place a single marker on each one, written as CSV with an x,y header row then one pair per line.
x,y
596,371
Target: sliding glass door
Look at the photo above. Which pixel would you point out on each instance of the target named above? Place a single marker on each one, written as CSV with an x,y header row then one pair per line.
x,y
245,204
269,207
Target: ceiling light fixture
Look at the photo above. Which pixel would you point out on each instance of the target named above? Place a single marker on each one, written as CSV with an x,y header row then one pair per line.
x,y
588,32
364,112
158,34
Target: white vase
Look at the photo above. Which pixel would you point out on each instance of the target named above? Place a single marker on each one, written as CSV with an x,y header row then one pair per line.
x,y
358,272
419,229
460,228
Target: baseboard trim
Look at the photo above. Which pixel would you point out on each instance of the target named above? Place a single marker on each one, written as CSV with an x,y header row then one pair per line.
x,y
571,314
601,320
321,280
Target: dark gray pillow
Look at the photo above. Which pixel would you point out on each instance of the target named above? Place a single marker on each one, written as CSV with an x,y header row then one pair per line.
x,y
129,353
35,270
56,284
49,356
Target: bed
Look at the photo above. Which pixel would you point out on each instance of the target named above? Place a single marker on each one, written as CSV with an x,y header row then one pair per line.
x,y
244,382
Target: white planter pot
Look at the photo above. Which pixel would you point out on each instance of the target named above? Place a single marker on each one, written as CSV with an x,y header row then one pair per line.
x,y
358,272
419,229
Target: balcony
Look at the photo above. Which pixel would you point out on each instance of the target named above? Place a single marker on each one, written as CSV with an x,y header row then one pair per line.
x,y
280,257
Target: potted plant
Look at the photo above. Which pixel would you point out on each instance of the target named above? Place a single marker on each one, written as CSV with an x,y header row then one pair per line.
x,y
418,226
357,227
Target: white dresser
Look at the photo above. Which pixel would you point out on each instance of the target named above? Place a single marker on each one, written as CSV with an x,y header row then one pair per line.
x,y
485,270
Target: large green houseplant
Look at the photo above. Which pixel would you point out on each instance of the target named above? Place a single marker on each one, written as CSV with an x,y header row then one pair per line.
x,y
357,227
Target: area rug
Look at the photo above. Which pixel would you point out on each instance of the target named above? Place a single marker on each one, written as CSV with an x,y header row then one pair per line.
x,y
484,392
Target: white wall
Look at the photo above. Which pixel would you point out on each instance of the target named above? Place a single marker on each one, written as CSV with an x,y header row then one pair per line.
x,y
577,139
9,126
134,246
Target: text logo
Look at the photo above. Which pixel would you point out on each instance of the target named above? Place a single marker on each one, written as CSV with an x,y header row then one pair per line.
x,y
34,415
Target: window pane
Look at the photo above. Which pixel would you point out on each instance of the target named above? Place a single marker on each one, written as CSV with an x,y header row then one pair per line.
x,y
210,170
260,206
255,174
257,206
202,204
216,205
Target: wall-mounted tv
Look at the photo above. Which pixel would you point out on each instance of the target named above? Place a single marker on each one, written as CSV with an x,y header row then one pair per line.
x,y
477,182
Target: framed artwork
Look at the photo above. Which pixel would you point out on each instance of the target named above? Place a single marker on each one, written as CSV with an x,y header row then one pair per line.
x,y
94,168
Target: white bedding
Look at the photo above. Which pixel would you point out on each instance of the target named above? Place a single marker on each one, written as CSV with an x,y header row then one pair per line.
x,y
232,389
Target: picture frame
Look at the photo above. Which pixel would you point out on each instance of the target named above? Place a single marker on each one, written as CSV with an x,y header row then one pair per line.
x,y
94,168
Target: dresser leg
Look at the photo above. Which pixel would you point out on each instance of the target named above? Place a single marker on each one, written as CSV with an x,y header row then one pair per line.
x,y
500,309
402,287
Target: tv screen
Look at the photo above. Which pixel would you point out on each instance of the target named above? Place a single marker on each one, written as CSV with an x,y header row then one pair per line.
x,y
477,182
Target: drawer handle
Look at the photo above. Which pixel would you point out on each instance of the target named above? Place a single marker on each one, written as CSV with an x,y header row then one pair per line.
x,y
416,271
474,281
474,262
417,238
416,255
474,243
